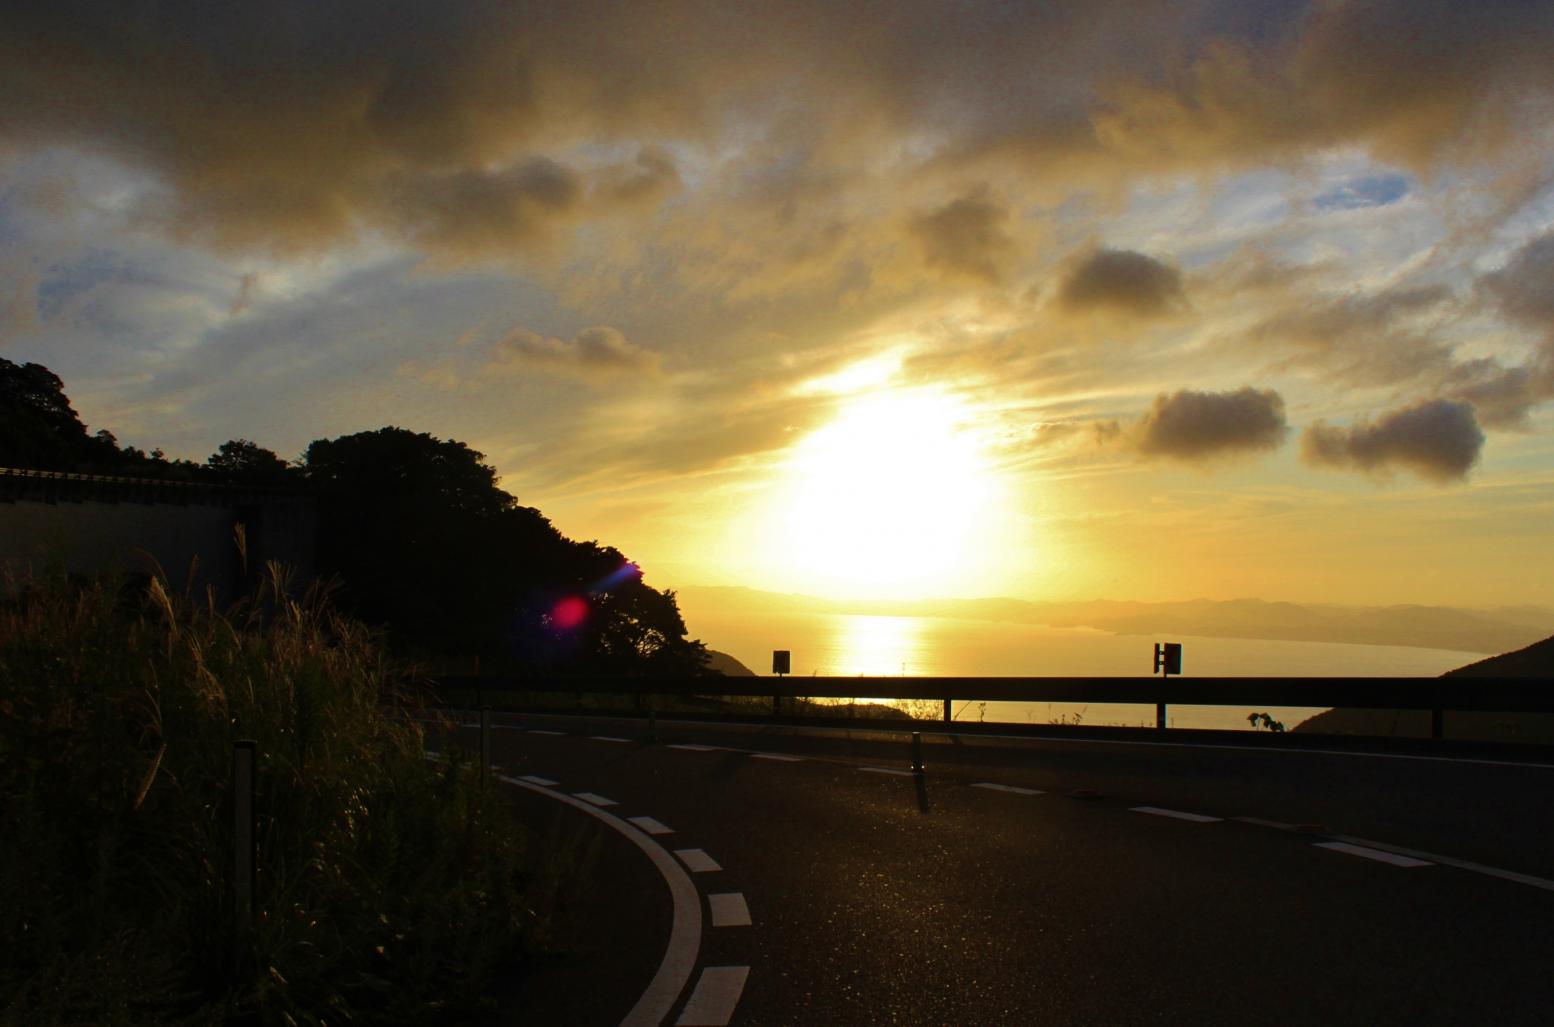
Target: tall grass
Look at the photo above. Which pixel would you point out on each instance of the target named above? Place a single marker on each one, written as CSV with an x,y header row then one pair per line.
x,y
389,887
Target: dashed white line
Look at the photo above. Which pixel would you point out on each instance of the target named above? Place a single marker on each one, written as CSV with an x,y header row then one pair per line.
x,y
697,861
1451,861
717,993
1197,818
1011,789
650,825
597,800
776,756
543,782
541,731
1376,854
608,738
888,770
729,910
695,748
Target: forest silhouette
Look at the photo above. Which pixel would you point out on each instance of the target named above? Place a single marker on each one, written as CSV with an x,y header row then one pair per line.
x,y
420,537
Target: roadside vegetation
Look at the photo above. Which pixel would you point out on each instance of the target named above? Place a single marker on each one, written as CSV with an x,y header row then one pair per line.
x,y
389,887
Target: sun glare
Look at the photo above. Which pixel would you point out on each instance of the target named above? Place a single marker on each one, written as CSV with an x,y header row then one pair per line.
x,y
886,500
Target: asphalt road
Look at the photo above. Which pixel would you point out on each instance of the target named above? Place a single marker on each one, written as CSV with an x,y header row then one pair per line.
x,y
1073,893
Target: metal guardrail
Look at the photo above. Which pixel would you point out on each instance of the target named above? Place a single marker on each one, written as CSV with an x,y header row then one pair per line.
x,y
1438,695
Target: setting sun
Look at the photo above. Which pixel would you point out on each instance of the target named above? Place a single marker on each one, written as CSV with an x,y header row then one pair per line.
x,y
885,499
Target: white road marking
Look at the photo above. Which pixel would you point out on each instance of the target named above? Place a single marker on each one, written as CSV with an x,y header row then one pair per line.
x,y
543,782
695,748
776,756
1451,861
597,800
1376,854
607,738
1277,825
697,861
1197,818
729,910
541,731
1011,789
650,825
888,770
717,993
684,946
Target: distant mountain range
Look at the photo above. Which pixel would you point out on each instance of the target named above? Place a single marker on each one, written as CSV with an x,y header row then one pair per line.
x,y
1495,630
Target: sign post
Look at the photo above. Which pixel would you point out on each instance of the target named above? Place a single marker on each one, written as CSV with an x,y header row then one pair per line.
x,y
782,663
1168,661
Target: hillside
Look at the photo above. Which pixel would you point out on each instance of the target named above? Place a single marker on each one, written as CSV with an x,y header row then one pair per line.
x,y
1535,661
1431,627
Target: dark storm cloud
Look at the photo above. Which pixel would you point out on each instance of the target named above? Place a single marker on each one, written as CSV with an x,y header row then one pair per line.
x,y
1438,439
1122,281
1197,426
966,237
289,124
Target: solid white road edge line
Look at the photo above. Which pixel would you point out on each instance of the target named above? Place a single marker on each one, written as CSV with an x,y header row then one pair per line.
x,y
1197,818
729,909
685,929
888,770
540,731
1011,789
597,800
650,825
781,757
1376,854
697,861
694,748
717,993
608,738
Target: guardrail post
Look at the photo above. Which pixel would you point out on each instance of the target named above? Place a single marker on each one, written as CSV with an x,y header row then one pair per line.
x,y
947,715
1160,716
485,742
1437,723
244,758
917,752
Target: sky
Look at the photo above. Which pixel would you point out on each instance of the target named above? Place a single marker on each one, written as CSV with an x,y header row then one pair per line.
x,y
1055,301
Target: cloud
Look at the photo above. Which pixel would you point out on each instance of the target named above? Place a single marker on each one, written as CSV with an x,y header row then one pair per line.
x,y
592,351
1195,426
1438,439
966,237
1365,339
1122,281
1524,288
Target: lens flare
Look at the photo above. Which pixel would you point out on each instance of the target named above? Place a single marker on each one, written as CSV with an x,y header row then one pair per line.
x,y
569,613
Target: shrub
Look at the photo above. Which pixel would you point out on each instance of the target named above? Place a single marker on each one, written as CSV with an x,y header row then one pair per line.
x,y
388,886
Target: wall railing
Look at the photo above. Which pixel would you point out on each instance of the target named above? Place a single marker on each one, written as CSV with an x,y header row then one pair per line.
x,y
1437,695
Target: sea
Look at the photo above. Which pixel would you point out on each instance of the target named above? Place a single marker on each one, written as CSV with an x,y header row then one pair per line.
x,y
850,645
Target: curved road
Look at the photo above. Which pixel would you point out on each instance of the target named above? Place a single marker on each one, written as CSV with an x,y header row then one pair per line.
x,y
1051,881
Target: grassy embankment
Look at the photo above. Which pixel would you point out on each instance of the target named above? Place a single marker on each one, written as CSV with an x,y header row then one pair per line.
x,y
389,887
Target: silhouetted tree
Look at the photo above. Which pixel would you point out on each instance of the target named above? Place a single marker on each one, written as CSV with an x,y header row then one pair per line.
x,y
247,463
39,429
426,543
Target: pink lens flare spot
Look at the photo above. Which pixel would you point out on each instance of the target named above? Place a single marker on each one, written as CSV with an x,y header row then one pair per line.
x,y
569,613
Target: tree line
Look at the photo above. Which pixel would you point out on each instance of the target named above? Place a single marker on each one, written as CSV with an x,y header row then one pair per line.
x,y
419,536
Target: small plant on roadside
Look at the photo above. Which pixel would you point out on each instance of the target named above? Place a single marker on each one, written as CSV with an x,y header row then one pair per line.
x,y
1263,719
